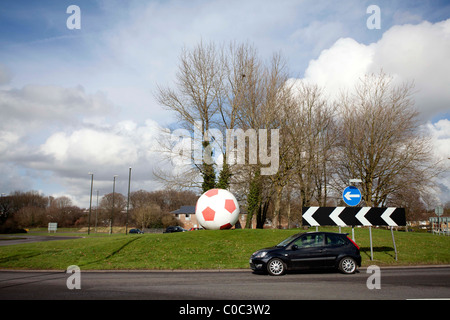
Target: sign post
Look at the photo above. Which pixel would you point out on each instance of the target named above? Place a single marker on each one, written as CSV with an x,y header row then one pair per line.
x,y
439,211
52,226
393,241
355,216
371,247
442,220
351,196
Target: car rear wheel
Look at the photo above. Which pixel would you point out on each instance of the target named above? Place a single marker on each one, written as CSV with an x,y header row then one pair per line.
x,y
347,265
276,267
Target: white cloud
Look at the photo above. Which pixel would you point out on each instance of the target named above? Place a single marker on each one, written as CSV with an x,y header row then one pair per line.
x,y
51,136
340,66
440,137
88,146
5,75
119,145
37,106
12,179
32,113
408,52
7,139
65,158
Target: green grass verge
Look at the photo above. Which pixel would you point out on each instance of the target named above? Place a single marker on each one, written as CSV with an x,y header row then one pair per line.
x,y
228,249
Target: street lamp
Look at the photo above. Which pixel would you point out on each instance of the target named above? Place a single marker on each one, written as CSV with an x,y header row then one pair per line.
x,y
128,200
96,213
112,209
90,202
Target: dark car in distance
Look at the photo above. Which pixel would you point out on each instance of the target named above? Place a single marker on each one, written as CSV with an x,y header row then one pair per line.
x,y
172,229
308,250
138,231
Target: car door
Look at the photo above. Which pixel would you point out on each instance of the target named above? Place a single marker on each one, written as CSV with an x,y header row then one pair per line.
x,y
307,251
334,246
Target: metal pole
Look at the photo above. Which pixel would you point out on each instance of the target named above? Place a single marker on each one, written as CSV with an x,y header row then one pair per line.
x,y
439,227
371,248
90,204
350,181
393,241
128,201
96,213
112,208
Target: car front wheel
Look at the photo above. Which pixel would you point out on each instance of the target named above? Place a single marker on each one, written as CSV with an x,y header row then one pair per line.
x,y
276,267
347,265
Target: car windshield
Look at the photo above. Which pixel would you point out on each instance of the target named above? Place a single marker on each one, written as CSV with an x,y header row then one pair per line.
x,y
285,242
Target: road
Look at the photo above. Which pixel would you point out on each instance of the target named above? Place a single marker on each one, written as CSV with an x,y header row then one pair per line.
x,y
396,283
8,240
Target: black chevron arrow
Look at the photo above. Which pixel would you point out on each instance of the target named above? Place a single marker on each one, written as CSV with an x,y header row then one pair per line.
x,y
353,216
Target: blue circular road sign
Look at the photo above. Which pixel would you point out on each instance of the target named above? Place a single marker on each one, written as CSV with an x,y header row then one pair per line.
x,y
351,196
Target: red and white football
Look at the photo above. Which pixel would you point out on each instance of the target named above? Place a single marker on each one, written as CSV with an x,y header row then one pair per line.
x,y
217,209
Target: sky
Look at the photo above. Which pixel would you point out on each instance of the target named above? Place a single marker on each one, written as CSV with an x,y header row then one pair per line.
x,y
80,100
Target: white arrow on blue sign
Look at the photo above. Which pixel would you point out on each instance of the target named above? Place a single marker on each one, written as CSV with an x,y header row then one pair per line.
x,y
351,196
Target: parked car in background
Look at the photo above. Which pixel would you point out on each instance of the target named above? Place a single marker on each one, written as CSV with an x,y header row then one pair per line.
x,y
138,231
308,250
172,229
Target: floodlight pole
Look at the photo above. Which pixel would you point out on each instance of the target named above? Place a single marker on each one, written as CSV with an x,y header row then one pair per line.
x,y
112,208
128,201
96,213
90,203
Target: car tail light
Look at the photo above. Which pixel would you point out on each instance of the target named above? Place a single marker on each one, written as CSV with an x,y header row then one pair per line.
x,y
353,242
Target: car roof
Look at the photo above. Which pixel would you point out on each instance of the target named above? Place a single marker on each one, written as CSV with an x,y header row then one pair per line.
x,y
323,232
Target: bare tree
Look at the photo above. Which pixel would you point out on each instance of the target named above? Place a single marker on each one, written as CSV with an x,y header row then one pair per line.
x,y
148,216
110,214
381,142
312,130
372,134
263,97
197,99
277,111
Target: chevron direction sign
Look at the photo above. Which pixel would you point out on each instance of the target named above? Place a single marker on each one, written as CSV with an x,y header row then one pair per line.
x,y
353,216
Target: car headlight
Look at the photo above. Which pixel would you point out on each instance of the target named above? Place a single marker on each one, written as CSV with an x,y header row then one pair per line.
x,y
259,254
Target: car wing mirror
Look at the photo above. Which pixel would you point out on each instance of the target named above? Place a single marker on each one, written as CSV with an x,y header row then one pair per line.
x,y
294,247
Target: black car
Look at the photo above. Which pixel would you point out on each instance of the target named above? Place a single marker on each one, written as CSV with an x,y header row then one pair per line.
x,y
138,231
174,229
308,250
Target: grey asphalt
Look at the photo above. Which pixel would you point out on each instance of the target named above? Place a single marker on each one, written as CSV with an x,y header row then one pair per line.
x,y
396,283
8,240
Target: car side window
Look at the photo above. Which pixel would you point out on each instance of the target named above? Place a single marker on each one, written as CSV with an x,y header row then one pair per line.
x,y
310,240
334,240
